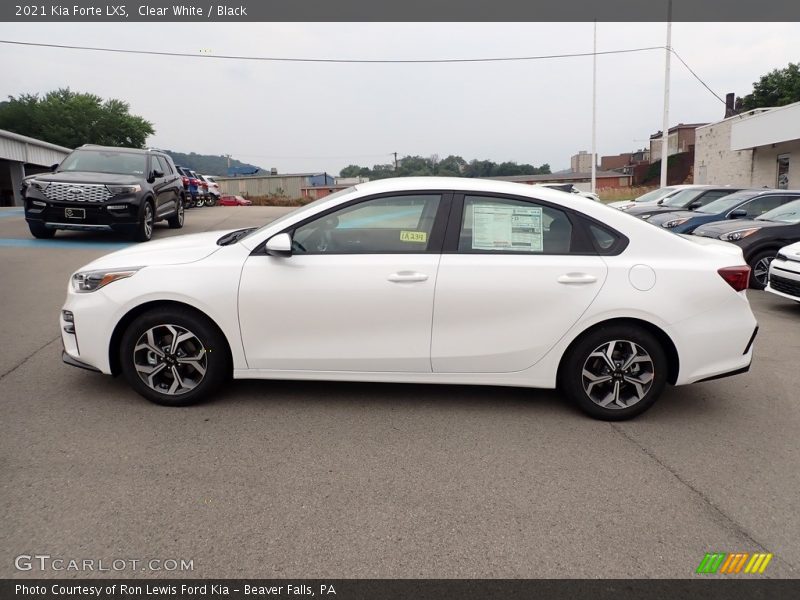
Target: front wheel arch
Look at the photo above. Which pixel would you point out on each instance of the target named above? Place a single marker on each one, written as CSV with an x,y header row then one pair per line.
x,y
673,361
128,318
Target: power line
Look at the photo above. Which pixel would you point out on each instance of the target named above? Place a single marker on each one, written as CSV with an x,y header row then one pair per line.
x,y
363,60
696,76
331,60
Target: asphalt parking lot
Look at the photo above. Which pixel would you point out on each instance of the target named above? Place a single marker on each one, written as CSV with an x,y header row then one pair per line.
x,y
303,479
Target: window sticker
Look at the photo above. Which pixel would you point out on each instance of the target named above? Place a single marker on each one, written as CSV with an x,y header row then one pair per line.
x,y
414,236
514,228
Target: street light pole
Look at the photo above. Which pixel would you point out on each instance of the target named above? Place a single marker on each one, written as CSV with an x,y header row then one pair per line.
x,y
594,111
665,128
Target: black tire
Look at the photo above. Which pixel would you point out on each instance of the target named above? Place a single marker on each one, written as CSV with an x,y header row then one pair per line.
x,y
176,221
212,201
759,268
200,202
648,369
41,232
143,230
207,345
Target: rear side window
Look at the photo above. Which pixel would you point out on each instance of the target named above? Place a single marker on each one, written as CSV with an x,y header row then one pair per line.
x,y
491,224
164,165
758,206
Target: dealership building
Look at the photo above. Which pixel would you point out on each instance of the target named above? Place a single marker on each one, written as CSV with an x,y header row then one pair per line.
x,y
760,148
20,156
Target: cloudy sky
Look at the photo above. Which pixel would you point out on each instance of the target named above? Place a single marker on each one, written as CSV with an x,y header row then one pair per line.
x,y
321,117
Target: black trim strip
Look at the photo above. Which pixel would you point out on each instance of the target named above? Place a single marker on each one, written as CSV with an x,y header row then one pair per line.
x,y
728,374
750,343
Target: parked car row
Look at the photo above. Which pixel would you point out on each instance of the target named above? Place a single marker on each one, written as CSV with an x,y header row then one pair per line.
x,y
200,190
760,221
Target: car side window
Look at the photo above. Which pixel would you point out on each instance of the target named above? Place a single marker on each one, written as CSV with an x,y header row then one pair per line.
x,y
385,225
164,166
711,196
758,206
491,224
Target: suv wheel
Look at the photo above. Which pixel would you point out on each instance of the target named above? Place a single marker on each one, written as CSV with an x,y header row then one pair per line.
x,y
144,229
41,232
759,269
173,356
176,222
614,373
200,202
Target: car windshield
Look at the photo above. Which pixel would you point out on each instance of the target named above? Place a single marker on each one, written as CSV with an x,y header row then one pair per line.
x,y
315,203
681,198
655,194
726,203
105,161
788,213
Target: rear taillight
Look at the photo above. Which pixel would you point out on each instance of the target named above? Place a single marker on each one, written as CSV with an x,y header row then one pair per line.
x,y
736,277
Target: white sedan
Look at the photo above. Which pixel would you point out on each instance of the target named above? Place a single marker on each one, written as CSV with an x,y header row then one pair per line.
x,y
426,280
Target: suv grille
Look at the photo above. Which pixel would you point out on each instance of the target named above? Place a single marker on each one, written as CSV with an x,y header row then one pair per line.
x,y
81,192
787,286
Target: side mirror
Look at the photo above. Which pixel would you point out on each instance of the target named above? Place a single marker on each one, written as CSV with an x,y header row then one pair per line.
x,y
54,167
279,245
695,204
738,213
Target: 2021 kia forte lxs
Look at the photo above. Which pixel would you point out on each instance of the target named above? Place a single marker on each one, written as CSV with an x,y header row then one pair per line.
x,y
431,280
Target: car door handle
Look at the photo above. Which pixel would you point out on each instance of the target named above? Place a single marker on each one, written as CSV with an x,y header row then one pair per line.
x,y
407,277
577,278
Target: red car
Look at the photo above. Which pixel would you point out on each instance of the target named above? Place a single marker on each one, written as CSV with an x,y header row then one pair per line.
x,y
234,201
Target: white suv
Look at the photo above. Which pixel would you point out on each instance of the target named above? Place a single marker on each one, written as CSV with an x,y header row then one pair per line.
x,y
213,189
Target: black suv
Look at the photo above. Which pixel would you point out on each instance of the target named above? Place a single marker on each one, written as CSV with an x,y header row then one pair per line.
x,y
99,188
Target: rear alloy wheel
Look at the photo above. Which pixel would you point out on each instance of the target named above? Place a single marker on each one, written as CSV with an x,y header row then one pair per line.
x,y
759,269
173,357
176,221
41,232
615,373
144,229
200,203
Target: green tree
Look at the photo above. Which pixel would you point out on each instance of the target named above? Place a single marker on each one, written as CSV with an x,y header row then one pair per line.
x,y
777,88
71,119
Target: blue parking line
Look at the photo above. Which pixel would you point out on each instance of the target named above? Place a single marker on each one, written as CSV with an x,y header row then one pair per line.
x,y
13,212
73,244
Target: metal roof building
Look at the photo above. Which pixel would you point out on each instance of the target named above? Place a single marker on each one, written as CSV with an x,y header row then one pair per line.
x,y
19,156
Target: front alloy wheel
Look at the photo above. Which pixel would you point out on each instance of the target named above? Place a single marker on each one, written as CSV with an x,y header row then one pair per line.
x,y
614,372
170,359
174,356
759,273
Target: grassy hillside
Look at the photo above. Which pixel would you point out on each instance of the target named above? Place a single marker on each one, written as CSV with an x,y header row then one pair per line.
x,y
206,164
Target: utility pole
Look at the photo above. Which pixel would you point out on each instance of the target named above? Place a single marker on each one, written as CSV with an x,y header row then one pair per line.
x,y
395,160
594,111
665,128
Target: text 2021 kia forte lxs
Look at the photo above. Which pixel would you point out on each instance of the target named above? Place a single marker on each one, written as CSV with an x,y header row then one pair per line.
x,y
421,280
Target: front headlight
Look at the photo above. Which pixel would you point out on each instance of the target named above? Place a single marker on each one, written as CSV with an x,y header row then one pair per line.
x,y
124,189
674,223
89,281
35,183
735,236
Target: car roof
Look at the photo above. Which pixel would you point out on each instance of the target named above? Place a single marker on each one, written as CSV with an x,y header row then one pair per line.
x,y
472,184
120,149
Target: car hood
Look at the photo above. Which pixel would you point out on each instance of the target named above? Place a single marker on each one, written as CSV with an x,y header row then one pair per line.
x,y
673,214
650,209
177,250
88,177
717,228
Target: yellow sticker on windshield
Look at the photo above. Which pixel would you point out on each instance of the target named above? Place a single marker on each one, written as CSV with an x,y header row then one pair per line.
x,y
414,236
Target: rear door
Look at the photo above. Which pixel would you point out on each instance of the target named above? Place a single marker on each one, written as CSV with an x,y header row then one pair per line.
x,y
515,275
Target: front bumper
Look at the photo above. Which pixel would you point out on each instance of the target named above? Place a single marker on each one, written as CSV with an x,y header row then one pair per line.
x,y
784,279
82,216
74,362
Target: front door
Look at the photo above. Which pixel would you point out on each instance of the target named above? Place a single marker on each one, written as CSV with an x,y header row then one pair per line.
x,y
356,294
